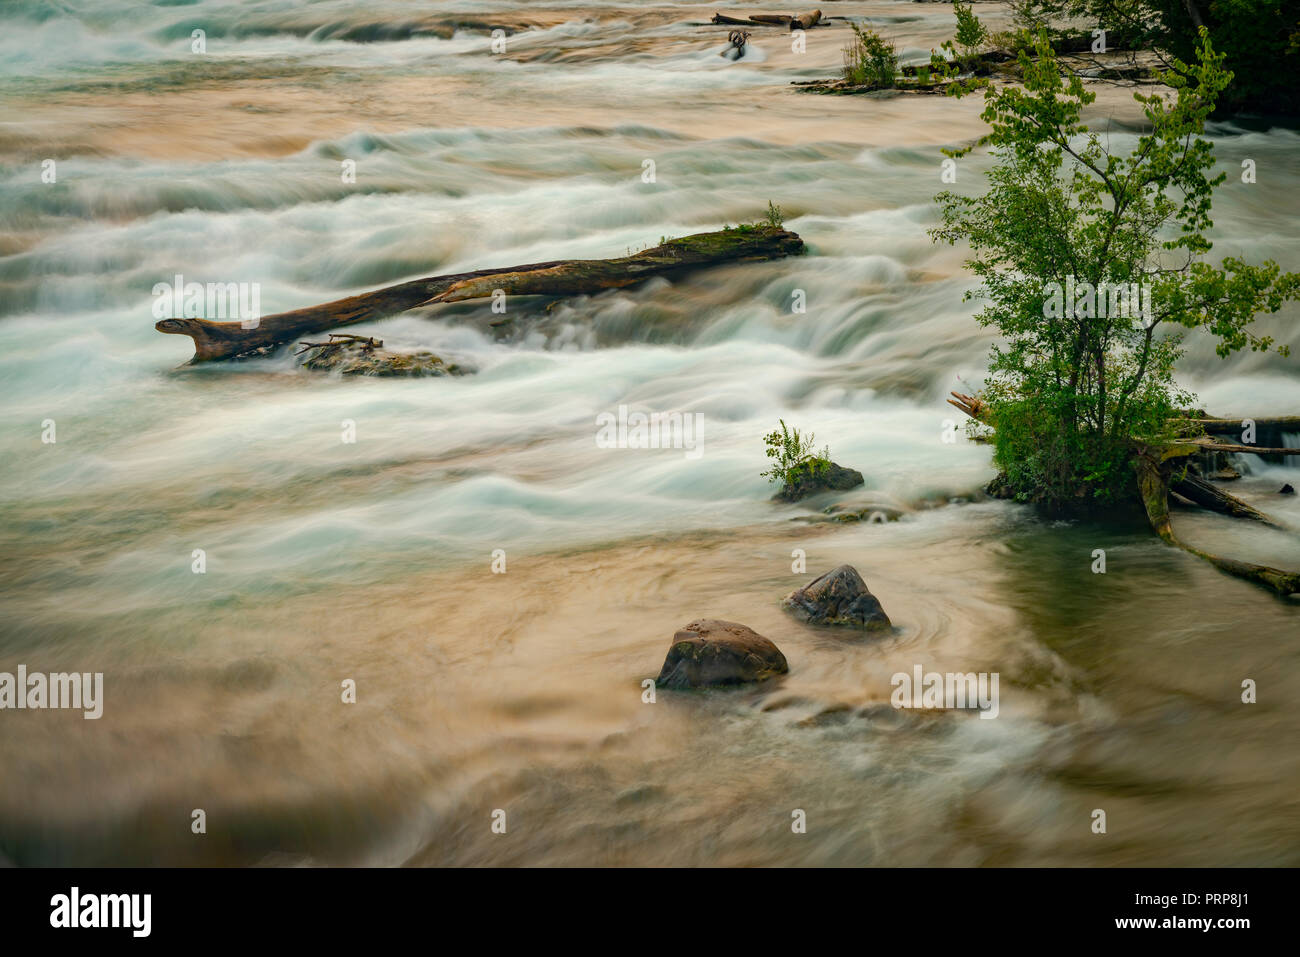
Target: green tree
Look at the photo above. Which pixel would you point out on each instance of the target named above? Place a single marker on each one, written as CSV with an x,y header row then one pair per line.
x,y
1071,386
971,34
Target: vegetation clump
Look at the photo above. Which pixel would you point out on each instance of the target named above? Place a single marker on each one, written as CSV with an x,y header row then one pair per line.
x,y
870,60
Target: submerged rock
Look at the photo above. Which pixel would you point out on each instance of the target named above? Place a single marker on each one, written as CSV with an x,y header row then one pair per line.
x,y
1287,489
833,478
858,510
713,652
355,355
840,597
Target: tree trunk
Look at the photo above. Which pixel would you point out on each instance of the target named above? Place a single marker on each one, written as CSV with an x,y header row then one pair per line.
x,y
225,340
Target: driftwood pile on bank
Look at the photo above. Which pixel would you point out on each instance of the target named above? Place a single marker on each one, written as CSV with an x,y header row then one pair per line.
x,y
569,277
1163,469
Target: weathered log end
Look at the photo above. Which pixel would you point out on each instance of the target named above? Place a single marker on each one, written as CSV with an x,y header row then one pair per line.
x,y
212,340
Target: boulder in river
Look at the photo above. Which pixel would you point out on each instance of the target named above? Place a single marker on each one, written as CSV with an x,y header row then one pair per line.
x,y
361,355
832,477
712,652
840,597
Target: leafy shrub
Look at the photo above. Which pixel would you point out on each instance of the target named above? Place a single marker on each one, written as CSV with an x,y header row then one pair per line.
x,y
870,60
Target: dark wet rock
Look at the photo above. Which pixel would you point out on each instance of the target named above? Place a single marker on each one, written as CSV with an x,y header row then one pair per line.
x,y
858,511
835,713
784,702
1287,489
353,355
840,597
999,487
832,478
712,652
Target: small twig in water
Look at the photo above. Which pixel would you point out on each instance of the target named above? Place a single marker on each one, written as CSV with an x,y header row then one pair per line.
x,y
367,342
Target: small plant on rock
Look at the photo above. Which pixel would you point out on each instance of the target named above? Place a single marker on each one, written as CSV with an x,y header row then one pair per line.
x,y
794,457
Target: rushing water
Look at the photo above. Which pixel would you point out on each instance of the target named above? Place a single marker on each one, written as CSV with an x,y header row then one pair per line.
x,y
372,560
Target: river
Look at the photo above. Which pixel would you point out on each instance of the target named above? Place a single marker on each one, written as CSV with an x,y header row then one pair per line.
x,y
327,561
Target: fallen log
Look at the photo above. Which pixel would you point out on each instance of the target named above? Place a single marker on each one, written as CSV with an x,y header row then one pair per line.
x,y
1202,493
806,21
1253,449
572,277
1234,426
801,21
1154,486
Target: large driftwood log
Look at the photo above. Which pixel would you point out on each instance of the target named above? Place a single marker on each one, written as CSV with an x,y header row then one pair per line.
x,y
802,21
806,21
572,277
1157,473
